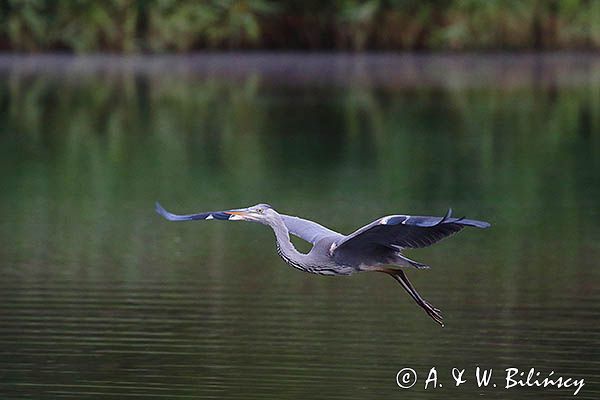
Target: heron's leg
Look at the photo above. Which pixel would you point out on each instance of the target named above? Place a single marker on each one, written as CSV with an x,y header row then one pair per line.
x,y
402,279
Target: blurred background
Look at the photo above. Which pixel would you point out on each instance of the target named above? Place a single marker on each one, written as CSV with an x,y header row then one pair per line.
x,y
102,298
184,25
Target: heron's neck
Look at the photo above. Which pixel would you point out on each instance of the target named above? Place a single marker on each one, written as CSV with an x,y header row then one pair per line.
x,y
284,245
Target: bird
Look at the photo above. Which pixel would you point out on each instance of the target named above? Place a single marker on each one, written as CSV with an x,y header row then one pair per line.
x,y
377,246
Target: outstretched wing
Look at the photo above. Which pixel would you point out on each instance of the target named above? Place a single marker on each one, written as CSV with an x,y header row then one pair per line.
x,y
307,230
405,231
191,217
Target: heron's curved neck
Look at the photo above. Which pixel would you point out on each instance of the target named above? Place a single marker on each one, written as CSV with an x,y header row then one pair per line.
x,y
284,245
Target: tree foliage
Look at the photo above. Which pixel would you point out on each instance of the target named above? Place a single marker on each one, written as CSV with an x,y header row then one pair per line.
x,y
184,25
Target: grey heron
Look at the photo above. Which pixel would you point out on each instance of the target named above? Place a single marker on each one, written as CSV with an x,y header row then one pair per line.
x,y
375,247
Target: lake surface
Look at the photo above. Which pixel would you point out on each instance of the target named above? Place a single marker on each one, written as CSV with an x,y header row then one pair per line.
x,y
102,298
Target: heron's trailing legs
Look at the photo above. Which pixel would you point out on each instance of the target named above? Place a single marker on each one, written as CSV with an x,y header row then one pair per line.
x,y
402,279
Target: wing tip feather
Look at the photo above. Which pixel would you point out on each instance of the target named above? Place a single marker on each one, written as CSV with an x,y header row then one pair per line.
x,y
162,212
476,224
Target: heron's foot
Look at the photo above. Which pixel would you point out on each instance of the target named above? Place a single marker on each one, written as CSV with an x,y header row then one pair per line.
x,y
434,312
400,277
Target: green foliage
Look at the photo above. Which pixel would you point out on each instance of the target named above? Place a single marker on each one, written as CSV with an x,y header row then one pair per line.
x,y
131,25
25,24
183,25
355,21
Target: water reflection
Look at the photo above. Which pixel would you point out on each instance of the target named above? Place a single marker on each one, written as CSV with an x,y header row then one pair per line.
x,y
100,297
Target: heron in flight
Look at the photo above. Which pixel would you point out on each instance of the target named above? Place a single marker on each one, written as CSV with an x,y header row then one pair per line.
x,y
375,247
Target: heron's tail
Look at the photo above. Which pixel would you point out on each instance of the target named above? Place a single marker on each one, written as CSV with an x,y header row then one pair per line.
x,y
403,260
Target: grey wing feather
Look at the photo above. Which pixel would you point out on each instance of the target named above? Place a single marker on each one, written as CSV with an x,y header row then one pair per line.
x,y
405,231
308,230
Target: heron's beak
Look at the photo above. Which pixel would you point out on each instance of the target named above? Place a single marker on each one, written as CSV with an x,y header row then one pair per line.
x,y
237,215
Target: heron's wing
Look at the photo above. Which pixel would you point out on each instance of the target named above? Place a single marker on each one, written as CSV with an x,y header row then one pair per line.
x,y
307,230
402,231
191,217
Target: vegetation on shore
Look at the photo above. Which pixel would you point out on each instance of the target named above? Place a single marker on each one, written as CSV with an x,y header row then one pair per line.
x,y
185,25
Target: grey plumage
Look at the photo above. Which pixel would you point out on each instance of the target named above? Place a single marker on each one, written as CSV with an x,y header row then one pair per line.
x,y
375,247
307,230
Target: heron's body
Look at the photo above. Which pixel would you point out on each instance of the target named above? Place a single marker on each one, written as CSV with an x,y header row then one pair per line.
x,y
375,247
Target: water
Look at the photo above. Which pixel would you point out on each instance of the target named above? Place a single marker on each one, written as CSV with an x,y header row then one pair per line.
x,y
101,298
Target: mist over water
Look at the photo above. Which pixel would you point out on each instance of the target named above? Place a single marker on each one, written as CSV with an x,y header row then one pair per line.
x,y
100,297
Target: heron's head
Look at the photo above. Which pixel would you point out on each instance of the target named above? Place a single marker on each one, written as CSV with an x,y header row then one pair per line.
x,y
259,213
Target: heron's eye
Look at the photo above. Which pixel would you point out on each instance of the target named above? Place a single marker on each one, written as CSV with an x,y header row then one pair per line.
x,y
260,210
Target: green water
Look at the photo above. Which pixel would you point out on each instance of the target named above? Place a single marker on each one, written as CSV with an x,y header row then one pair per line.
x,y
101,298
